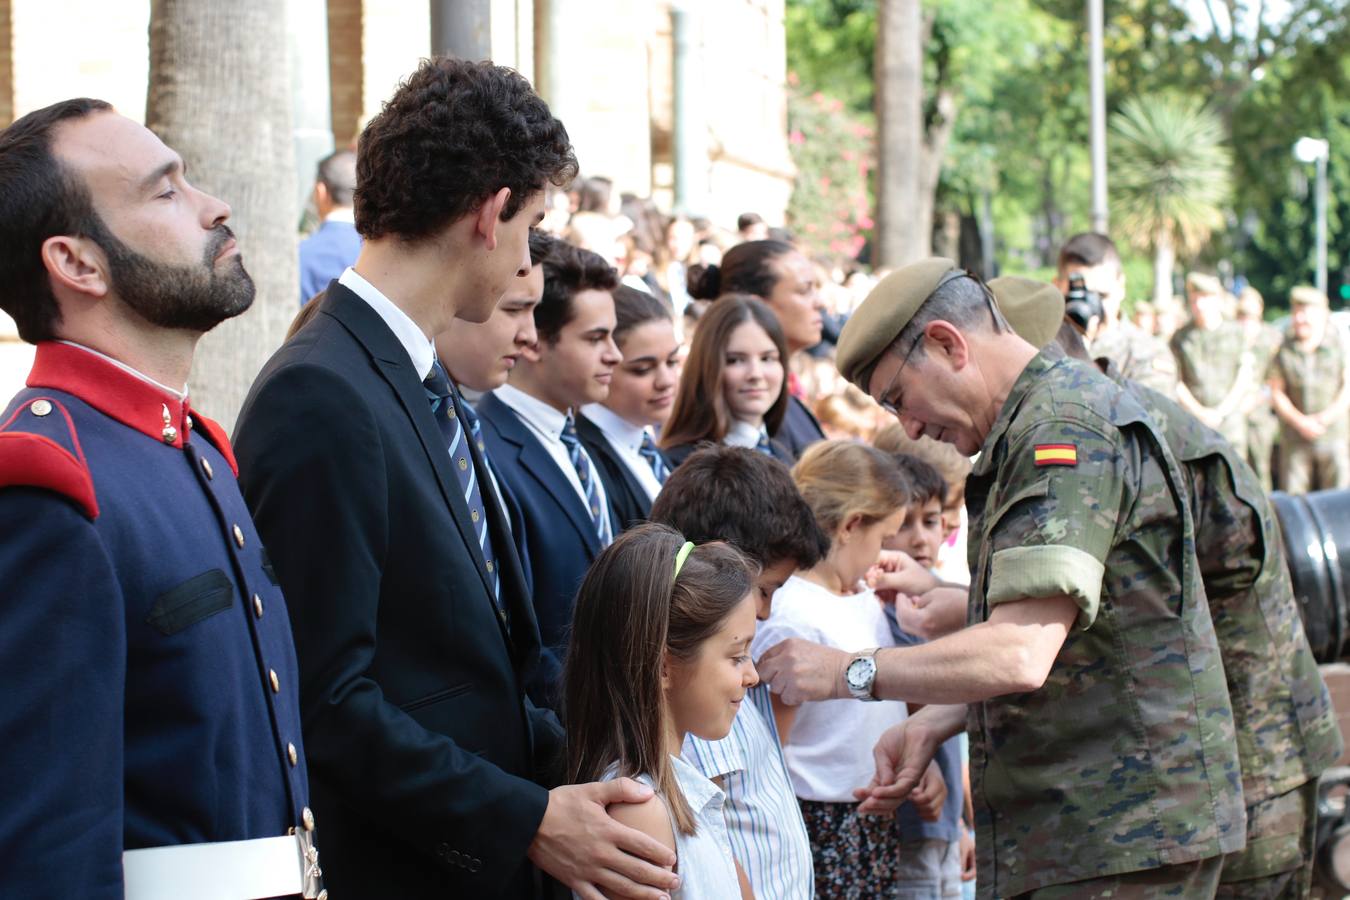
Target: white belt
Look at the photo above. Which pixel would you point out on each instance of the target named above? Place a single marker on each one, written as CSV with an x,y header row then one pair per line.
x,y
229,870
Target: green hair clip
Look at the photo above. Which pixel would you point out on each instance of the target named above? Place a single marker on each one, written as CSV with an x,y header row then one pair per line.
x,y
682,556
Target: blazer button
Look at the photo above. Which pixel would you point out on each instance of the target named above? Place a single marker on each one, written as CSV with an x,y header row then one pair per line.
x,y
475,865
443,850
239,536
276,682
307,818
257,606
294,756
456,857
206,467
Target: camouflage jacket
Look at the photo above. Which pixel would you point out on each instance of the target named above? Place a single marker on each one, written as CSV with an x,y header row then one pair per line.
x,y
1208,362
1141,356
1312,378
1125,758
1286,730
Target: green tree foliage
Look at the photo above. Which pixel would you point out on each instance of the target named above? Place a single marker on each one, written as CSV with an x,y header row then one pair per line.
x,y
1170,173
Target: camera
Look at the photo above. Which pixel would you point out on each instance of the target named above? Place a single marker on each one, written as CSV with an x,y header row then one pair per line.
x,y
1081,305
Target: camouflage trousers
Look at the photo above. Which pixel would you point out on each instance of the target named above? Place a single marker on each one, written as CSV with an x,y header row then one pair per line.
x,y
1315,466
1281,839
1185,881
1262,430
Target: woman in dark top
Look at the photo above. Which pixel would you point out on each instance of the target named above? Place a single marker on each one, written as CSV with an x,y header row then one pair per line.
x,y
732,390
786,281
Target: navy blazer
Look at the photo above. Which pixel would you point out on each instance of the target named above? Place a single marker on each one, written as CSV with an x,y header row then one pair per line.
x,y
627,497
429,768
799,428
680,452
558,538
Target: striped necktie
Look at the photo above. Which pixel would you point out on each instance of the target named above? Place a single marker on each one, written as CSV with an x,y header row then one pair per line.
x,y
654,458
581,461
441,397
763,445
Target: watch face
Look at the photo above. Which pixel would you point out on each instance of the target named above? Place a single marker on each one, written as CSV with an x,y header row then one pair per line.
x,y
861,672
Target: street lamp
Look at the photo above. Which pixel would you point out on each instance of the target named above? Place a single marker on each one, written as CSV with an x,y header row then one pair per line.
x,y
1307,150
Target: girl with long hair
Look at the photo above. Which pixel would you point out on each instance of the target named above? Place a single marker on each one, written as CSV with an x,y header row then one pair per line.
x,y
660,649
732,390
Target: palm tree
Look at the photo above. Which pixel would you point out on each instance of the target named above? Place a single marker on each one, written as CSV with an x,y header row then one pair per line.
x,y
1170,176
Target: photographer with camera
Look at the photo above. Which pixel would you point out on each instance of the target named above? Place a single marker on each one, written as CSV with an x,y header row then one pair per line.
x,y
1140,356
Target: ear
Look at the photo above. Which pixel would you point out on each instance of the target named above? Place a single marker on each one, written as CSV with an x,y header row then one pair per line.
x,y
849,528
489,214
951,343
321,194
76,264
666,664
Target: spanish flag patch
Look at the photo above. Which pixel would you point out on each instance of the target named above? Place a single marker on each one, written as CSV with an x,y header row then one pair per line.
x,y
1056,455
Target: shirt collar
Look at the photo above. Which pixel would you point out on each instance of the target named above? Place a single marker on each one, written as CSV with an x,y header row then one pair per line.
x,y
743,434
114,389
543,417
1042,362
413,339
615,426
341,214
697,788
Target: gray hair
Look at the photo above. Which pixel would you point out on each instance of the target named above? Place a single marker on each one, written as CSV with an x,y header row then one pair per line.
x,y
964,302
337,173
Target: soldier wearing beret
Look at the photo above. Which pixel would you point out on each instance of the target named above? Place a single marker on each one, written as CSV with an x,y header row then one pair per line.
x,y
1311,395
1286,731
150,736
1103,758
1217,373
1263,341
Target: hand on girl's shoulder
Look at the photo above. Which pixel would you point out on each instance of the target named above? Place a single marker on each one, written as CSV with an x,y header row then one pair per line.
x,y
651,817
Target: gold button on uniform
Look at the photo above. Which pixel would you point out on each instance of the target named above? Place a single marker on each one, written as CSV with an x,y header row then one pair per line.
x,y
489,566
450,411
41,408
189,423
290,752
257,606
276,682
463,464
206,467
473,514
307,818
170,434
239,536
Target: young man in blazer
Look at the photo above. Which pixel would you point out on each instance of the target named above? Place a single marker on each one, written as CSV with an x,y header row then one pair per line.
x,y
430,768
530,428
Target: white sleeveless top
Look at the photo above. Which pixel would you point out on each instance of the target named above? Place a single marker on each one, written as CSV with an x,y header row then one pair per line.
x,y
704,863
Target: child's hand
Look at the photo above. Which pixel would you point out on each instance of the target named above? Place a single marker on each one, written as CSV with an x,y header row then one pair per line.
x,y
967,854
898,572
930,794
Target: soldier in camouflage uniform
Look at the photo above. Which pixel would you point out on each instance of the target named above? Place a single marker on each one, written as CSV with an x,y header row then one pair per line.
x,y
1102,744
1286,731
1262,340
1138,353
1311,395
1217,375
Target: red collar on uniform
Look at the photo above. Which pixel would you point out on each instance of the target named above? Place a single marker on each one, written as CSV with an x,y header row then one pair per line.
x,y
117,393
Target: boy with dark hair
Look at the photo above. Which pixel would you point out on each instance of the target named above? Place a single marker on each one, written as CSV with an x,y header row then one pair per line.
x,y
748,499
931,862
431,770
529,428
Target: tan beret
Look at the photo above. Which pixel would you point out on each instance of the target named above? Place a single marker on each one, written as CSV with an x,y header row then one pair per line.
x,y
1200,283
1250,301
884,314
1033,308
1307,295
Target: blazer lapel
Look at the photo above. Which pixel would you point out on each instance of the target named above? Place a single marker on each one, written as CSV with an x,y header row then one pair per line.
x,y
393,362
598,445
536,461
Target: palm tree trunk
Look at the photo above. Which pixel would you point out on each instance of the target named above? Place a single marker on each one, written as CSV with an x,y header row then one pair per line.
x,y
1164,261
899,79
219,94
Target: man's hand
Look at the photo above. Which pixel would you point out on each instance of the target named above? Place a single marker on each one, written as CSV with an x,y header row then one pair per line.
x,y
1309,427
929,797
581,846
898,573
799,671
902,755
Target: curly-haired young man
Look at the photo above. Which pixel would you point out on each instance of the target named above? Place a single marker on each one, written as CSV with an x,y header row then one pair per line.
x,y
414,629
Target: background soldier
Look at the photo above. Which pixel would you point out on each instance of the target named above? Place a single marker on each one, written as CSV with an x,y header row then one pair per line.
x,y
1311,395
1216,374
1097,704
1262,341
1286,731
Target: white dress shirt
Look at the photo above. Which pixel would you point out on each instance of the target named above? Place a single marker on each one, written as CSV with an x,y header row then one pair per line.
x,y
743,434
626,439
409,334
546,423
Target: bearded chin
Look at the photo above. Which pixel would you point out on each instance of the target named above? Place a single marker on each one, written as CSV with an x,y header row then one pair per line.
x,y
191,298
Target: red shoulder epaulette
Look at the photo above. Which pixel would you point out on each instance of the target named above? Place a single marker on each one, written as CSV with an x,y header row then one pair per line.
x,y
28,459
216,435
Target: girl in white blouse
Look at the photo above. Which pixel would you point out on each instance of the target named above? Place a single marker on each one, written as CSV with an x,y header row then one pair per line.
x,y
660,649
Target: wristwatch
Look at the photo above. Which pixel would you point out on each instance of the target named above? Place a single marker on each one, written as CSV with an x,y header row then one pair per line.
x,y
861,675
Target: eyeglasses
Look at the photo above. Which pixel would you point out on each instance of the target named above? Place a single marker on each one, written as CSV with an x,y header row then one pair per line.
x,y
893,406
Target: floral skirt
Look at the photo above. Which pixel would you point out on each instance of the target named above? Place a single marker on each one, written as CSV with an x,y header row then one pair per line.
x,y
856,856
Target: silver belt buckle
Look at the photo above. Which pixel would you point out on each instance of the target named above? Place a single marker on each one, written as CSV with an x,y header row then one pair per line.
x,y
312,877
